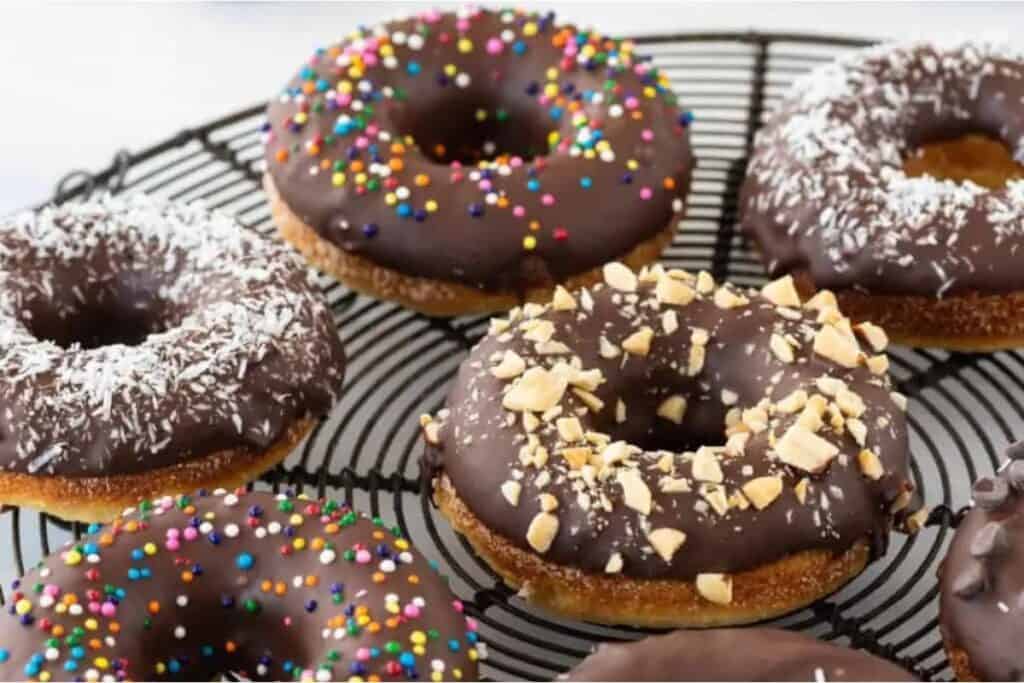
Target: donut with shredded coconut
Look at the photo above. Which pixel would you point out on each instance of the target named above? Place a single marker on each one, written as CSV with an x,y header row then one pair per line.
x,y
151,348
827,197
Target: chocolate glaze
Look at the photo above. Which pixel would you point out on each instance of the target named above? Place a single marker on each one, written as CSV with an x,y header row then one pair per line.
x,y
826,191
195,629
757,654
583,229
227,340
479,440
982,578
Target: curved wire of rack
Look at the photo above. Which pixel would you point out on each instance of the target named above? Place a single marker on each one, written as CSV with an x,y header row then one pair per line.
x,y
963,408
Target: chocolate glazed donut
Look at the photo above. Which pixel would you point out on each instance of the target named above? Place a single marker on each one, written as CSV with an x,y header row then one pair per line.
x,y
149,348
663,450
268,587
750,654
982,581
935,262
464,162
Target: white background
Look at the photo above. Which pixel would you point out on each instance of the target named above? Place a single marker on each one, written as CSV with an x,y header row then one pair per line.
x,y
82,80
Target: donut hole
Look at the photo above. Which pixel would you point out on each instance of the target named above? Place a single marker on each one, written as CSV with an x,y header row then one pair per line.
x,y
92,327
123,311
975,156
478,129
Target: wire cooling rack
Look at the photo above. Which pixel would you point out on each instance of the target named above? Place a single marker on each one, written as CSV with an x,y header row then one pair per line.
x,y
963,408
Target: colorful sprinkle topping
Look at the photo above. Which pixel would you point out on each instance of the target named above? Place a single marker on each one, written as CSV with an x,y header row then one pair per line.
x,y
217,583
346,116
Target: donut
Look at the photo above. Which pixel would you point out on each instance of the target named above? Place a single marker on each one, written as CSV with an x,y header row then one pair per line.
x,y
149,348
465,162
833,193
263,586
751,654
662,450
981,580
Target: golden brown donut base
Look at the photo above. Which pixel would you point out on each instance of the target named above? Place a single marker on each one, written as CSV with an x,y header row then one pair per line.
x,y
959,662
101,499
762,593
970,321
425,295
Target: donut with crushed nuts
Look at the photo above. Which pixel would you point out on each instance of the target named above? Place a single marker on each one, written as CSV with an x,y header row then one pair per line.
x,y
149,348
260,586
463,162
748,654
666,450
982,579
892,178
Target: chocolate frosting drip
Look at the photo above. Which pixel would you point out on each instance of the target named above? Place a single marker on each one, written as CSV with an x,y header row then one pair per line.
x,y
826,191
227,341
757,654
265,586
484,445
982,577
350,148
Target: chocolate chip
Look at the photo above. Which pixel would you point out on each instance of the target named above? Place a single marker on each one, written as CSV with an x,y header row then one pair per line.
x,y
1014,473
991,492
1015,451
971,581
990,540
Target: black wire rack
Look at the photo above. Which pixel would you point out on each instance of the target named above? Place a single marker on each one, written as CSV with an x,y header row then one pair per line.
x,y
963,408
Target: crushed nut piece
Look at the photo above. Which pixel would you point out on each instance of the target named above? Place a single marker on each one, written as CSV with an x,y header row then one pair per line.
x,y
801,489
838,347
537,390
620,411
635,493
878,365
576,457
874,335
511,366
666,541
792,403
590,400
673,292
620,277
669,322
511,490
607,349
542,531
614,564
781,348
850,403
673,409
822,300
715,588
548,503
763,491
563,300
639,343
706,468
431,430
805,450
870,465
782,292
858,430
570,429
727,299
705,283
